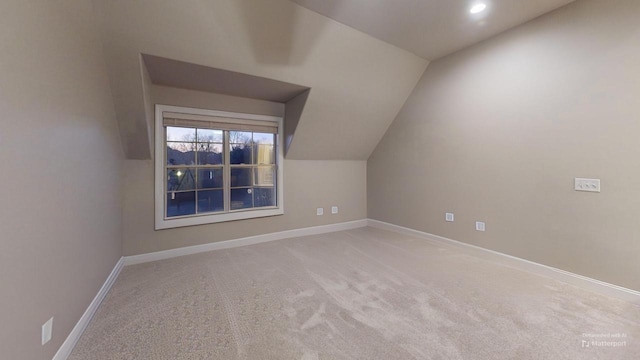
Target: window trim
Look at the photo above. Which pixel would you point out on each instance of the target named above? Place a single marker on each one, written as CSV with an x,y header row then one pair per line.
x,y
161,222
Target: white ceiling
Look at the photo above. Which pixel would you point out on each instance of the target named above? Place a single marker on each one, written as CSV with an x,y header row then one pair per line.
x,y
431,28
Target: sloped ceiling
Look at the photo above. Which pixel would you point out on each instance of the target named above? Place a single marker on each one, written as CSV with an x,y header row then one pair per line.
x,y
358,83
431,28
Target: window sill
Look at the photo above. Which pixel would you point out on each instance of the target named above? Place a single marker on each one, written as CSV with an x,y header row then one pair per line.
x,y
170,223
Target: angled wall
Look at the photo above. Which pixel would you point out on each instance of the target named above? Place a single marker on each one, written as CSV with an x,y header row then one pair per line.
x,y
499,131
61,189
359,83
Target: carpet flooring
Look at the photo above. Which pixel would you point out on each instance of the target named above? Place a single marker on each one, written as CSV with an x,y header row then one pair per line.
x,y
357,294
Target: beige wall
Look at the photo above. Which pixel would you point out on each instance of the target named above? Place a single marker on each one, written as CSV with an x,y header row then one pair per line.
x,y
308,184
60,218
358,82
498,132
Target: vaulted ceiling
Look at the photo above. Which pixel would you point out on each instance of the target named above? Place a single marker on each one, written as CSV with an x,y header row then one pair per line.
x,y
357,83
431,28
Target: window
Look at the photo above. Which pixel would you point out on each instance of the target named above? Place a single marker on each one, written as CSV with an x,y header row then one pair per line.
x,y
214,166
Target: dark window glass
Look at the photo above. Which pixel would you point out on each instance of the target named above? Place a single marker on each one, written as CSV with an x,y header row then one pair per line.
x,y
181,153
181,203
264,197
196,176
210,201
209,154
181,179
240,177
210,178
241,198
240,154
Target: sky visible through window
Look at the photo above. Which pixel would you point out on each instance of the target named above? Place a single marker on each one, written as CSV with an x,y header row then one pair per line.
x,y
196,172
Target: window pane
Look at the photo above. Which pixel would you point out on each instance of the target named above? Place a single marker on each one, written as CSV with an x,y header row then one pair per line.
x,y
181,179
262,138
210,200
240,154
181,153
209,154
265,175
180,134
263,154
207,135
210,178
240,177
240,137
179,204
241,198
264,197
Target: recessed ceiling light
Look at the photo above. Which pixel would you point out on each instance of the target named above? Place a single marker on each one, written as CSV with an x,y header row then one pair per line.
x,y
477,8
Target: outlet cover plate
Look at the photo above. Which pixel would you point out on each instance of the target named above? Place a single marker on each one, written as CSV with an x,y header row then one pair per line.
x,y
334,209
480,226
448,217
320,211
47,329
590,185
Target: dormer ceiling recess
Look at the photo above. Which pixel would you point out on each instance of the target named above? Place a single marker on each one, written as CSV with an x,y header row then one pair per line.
x,y
184,75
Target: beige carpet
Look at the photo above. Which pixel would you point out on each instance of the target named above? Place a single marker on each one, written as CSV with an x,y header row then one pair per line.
x,y
359,294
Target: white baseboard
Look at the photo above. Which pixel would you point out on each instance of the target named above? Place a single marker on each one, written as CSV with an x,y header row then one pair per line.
x,y
226,244
584,282
67,346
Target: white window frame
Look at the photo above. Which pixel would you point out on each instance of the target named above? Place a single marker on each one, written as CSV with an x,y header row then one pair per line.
x,y
161,221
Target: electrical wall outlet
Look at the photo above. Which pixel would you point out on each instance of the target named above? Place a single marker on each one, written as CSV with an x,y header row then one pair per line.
x,y
591,185
448,217
334,209
47,330
320,211
480,226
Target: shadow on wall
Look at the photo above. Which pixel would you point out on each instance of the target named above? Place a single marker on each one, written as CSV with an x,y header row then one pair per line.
x,y
280,32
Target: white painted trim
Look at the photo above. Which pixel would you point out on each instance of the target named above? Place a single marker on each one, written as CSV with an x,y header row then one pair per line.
x,y
159,172
67,346
584,282
227,244
570,278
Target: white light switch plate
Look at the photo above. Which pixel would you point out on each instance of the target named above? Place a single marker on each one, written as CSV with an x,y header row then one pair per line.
x,y
448,217
480,226
320,211
334,209
591,185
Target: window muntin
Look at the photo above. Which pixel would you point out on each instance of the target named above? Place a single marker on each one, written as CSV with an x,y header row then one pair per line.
x,y
251,158
200,185
250,169
225,169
